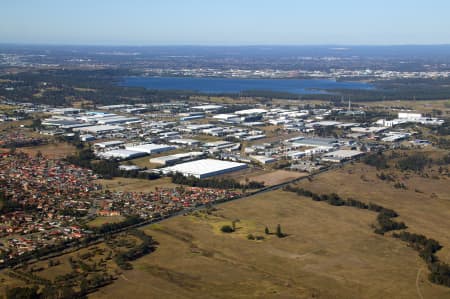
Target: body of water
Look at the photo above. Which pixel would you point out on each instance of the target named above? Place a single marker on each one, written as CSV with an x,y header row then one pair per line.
x,y
234,85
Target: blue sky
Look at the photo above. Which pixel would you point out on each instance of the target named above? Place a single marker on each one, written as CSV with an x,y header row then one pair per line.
x,y
225,22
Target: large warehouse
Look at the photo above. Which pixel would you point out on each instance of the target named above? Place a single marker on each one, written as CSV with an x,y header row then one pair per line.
x,y
121,154
151,148
204,168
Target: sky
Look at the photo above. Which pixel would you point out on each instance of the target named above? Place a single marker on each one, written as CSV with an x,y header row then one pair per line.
x,y
225,22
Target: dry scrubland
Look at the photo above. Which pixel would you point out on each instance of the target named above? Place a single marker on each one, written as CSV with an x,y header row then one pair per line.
x,y
330,252
52,150
136,185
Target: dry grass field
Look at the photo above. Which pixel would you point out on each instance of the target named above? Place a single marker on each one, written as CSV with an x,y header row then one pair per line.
x,y
330,252
424,206
56,150
421,106
136,185
275,177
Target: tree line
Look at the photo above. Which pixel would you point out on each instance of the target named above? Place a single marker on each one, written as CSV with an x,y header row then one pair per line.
x,y
146,246
384,218
220,183
107,168
427,248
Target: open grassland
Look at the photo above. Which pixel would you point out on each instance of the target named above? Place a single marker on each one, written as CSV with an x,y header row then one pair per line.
x,y
136,185
421,106
275,177
55,150
424,206
11,125
330,252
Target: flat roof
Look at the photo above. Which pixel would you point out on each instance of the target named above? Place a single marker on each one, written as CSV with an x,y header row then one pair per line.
x,y
100,128
343,154
109,143
205,167
207,107
315,141
150,147
184,141
121,154
250,111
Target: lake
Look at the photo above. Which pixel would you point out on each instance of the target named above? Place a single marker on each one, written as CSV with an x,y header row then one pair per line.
x,y
234,85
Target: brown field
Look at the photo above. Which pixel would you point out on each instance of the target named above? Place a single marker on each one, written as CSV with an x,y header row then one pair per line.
x,y
136,185
51,150
421,106
242,175
330,252
276,177
423,206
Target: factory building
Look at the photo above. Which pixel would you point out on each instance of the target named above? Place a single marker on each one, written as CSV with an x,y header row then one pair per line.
x,y
204,168
150,148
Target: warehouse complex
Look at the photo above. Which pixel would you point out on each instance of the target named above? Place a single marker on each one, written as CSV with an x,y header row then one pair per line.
x,y
204,168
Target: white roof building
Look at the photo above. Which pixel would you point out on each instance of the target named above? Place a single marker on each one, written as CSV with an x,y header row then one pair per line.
x,y
185,141
106,144
121,154
251,111
150,148
99,129
205,168
209,107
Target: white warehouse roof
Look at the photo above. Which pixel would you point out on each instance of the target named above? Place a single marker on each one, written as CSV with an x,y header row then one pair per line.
x,y
150,148
99,129
121,154
205,168
251,111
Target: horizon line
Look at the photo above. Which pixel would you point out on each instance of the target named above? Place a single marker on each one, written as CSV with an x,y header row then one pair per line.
x,y
220,45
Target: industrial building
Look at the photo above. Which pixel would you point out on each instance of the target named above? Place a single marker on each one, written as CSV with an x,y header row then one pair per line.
x,y
106,144
121,154
150,148
263,159
316,141
177,158
185,142
204,168
99,129
341,155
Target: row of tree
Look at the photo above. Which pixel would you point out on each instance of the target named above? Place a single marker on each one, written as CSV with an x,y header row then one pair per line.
x,y
146,246
107,168
384,218
427,248
222,183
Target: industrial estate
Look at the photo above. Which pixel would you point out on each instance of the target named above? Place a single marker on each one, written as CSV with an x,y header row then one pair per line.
x,y
223,171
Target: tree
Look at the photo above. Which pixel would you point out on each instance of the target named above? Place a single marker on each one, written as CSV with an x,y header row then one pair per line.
x,y
233,224
279,233
226,229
